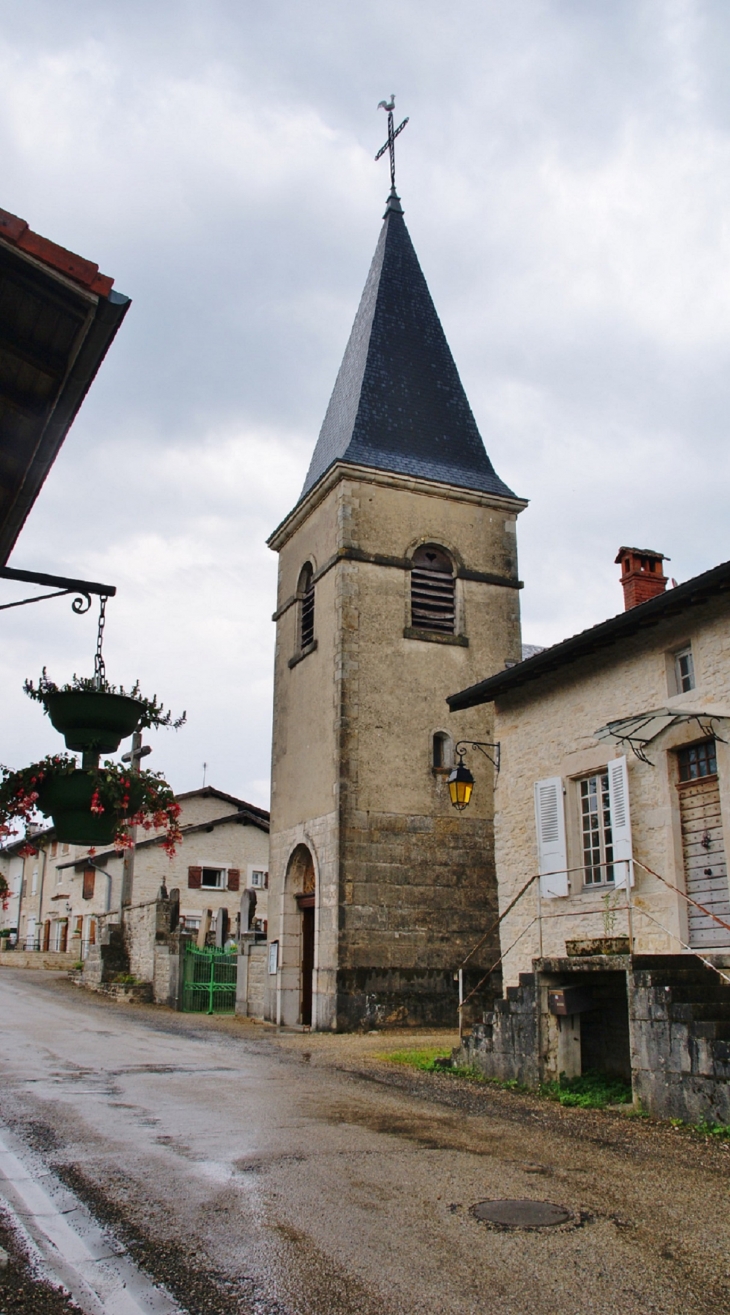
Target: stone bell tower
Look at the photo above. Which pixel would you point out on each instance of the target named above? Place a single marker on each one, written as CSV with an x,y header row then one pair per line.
x,y
397,585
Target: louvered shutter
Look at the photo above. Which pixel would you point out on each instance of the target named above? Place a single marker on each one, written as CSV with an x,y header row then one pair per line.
x,y
433,598
551,847
618,802
195,878
234,878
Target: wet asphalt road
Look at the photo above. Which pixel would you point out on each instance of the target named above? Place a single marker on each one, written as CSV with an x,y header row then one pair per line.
x,y
292,1174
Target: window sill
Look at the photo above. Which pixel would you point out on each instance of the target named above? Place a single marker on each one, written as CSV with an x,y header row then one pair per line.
x,y
434,637
303,652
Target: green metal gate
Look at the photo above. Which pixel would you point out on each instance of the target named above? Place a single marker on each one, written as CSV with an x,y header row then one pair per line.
x,y
209,981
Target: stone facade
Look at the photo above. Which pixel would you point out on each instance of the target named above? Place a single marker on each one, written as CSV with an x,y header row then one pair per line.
x,y
403,888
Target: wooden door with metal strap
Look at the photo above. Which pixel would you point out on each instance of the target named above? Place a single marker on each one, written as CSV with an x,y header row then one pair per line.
x,y
703,844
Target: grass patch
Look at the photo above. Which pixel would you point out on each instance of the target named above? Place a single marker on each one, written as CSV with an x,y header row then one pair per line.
x,y
433,1060
590,1091
719,1131
429,1060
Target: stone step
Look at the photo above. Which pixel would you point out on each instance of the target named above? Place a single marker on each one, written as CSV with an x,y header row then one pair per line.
x,y
702,983
696,1012
711,1031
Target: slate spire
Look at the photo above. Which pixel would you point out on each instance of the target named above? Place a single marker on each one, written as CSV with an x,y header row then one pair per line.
x,y
398,403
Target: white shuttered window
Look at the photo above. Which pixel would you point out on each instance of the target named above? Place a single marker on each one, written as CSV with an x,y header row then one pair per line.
x,y
551,845
618,796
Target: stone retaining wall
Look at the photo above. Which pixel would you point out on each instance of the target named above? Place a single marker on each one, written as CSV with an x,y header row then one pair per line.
x,y
53,960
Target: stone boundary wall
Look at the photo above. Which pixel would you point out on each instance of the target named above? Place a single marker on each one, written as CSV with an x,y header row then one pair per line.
x,y
53,960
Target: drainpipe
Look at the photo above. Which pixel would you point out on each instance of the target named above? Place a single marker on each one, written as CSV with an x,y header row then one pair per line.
x,y
40,891
103,872
20,904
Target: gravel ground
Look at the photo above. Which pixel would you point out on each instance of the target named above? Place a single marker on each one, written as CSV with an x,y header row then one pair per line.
x,y
21,1290
299,1174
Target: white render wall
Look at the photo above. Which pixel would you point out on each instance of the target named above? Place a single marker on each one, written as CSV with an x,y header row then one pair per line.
x,y
548,729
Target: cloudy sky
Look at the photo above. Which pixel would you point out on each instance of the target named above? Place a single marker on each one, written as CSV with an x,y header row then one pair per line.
x,y
566,181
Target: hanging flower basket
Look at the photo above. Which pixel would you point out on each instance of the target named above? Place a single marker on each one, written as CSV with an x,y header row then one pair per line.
x,y
93,807
69,798
93,716
93,722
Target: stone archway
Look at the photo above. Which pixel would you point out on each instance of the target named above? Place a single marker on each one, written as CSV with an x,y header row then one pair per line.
x,y
300,900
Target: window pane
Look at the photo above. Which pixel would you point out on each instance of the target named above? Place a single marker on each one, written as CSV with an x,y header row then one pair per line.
x,y
685,670
596,831
698,760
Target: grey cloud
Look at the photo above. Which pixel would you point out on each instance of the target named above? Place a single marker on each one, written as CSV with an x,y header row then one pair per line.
x,y
563,177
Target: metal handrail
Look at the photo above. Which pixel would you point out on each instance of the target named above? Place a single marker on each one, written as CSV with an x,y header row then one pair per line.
x,y
580,913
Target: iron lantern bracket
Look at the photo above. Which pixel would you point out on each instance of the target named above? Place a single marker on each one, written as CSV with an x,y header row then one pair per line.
x,y
490,751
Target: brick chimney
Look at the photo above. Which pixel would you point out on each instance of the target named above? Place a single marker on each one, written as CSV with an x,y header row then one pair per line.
x,y
642,574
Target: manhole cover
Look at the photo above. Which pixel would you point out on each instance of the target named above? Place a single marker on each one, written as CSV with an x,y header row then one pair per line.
x,y
521,1214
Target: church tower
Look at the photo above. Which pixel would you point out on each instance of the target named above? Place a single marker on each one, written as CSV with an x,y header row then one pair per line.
x,y
397,585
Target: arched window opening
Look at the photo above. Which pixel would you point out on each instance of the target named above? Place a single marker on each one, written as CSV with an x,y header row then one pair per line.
x,y
442,758
433,593
305,592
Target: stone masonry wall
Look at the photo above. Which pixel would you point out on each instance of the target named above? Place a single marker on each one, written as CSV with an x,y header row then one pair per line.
x,y
140,934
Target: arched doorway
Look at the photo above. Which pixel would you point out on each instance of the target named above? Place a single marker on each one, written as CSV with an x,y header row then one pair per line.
x,y
301,889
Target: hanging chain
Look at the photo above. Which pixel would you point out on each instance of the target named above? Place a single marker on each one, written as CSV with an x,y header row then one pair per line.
x,y
99,668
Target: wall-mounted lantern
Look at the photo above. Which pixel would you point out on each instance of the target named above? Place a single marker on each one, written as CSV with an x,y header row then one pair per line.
x,y
461,781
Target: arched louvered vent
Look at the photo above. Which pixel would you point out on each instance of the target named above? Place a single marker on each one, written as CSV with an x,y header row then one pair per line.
x,y
432,591
306,606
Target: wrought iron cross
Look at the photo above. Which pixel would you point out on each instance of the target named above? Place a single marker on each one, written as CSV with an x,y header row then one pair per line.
x,y
389,106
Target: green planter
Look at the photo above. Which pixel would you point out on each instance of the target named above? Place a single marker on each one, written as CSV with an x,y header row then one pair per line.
x,y
67,799
93,722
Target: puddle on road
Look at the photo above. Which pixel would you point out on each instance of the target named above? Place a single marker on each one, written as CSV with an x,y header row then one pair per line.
x,y
428,1134
260,1164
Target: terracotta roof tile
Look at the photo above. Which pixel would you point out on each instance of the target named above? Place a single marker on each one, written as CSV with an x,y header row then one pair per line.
x,y
16,230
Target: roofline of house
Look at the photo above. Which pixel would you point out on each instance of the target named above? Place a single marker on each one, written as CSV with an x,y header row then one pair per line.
x,y
210,792
672,603
6,850
107,309
243,817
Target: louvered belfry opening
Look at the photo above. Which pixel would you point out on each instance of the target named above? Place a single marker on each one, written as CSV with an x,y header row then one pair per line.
x,y
306,595
433,591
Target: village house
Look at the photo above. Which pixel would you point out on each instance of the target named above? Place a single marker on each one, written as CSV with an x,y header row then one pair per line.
x,y
67,893
612,808
30,865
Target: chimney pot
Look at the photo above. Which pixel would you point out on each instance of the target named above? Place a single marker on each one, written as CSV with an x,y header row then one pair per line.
x,y
642,574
